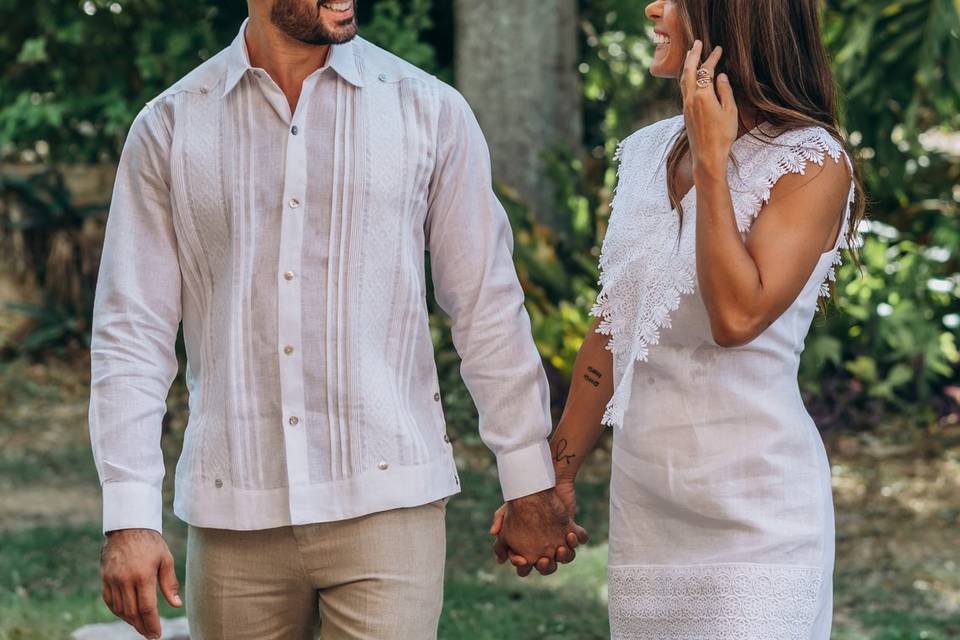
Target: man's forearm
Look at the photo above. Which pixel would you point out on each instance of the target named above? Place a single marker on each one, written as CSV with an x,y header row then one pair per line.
x,y
504,373
590,391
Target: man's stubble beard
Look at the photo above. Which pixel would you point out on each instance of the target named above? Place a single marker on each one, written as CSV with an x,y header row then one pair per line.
x,y
304,24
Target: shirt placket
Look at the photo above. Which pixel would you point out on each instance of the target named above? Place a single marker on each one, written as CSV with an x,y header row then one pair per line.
x,y
290,334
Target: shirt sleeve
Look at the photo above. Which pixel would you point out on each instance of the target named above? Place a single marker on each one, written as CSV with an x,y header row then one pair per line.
x,y
135,321
471,247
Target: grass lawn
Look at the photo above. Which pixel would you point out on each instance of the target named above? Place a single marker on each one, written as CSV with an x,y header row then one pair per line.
x,y
898,516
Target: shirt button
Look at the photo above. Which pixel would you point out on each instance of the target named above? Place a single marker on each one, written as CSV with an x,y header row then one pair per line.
x,y
294,203
436,397
288,349
288,275
294,130
218,483
294,421
382,77
446,438
383,465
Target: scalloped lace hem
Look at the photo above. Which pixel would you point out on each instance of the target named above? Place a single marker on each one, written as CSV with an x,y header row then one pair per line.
x,y
714,602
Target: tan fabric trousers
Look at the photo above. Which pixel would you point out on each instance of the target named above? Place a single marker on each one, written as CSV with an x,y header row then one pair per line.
x,y
379,576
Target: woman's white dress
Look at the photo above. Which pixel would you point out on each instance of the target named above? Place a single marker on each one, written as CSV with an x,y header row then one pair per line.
x,y
721,516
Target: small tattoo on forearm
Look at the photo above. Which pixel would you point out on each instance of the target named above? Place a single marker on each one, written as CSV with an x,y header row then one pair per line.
x,y
593,376
559,456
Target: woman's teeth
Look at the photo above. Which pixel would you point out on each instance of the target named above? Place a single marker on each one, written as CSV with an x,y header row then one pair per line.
x,y
338,6
659,38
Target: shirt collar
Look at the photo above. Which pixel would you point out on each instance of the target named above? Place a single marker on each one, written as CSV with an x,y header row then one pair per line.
x,y
342,59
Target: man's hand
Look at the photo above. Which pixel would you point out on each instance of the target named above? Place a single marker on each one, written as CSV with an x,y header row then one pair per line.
x,y
132,563
536,531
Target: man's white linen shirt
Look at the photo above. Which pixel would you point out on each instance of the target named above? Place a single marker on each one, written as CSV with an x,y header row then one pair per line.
x,y
291,246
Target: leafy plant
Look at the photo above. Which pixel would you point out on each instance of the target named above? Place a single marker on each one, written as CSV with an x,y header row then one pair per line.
x,y
891,339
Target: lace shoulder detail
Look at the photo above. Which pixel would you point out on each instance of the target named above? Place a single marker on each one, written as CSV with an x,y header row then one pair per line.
x,y
714,602
640,284
766,159
769,158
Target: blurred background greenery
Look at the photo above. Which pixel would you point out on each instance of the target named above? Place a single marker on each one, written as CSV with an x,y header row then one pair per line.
x,y
879,373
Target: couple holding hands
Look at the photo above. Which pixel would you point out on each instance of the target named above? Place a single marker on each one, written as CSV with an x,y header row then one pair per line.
x,y
277,201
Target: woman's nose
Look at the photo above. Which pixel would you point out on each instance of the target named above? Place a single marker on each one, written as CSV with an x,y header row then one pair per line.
x,y
654,10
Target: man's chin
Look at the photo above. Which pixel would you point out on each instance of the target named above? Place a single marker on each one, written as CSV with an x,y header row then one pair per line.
x,y
344,33
337,35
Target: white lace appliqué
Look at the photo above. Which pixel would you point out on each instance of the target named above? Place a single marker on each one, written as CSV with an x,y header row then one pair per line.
x,y
788,153
648,262
713,602
641,280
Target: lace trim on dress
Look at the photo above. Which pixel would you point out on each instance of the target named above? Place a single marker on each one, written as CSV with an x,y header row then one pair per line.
x,y
645,269
713,602
791,153
641,280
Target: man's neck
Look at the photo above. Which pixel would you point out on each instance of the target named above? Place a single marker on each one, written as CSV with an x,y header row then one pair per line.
x,y
286,60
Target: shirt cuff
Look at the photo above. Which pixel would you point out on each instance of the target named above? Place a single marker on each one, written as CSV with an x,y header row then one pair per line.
x,y
526,471
132,505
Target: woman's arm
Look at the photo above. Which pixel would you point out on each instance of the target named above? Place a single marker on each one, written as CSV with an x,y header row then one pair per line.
x,y
577,434
590,391
747,286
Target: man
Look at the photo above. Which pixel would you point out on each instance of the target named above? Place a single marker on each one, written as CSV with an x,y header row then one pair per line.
x,y
278,200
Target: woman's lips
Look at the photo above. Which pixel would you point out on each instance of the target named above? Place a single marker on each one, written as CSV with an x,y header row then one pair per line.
x,y
660,38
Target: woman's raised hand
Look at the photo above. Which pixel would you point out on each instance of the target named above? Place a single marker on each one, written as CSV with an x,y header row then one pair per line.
x,y
709,110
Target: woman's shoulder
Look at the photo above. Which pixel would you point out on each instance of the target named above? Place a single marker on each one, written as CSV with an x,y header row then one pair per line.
x,y
650,137
767,155
774,163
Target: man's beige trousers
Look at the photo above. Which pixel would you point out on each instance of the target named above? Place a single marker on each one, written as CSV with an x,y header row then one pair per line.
x,y
370,578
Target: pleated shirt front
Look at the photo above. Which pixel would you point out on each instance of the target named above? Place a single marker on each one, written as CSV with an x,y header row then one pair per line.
x,y
291,246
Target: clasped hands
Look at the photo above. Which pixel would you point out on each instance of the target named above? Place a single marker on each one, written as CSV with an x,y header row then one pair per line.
x,y
538,531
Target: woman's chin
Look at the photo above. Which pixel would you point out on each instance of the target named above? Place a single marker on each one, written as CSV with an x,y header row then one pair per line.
x,y
660,70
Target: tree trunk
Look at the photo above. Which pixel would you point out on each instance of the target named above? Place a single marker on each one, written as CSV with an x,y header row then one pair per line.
x,y
516,63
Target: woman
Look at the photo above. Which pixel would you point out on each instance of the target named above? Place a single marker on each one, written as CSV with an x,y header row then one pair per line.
x,y
726,226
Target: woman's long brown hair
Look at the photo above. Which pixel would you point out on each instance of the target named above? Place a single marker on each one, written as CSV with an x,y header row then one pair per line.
x,y
778,68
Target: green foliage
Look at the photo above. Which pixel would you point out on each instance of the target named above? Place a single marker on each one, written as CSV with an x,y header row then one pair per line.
x,y
45,241
899,65
80,71
890,340
619,93
897,324
400,28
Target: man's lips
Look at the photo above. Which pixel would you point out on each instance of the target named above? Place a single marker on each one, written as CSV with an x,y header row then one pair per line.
x,y
339,7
